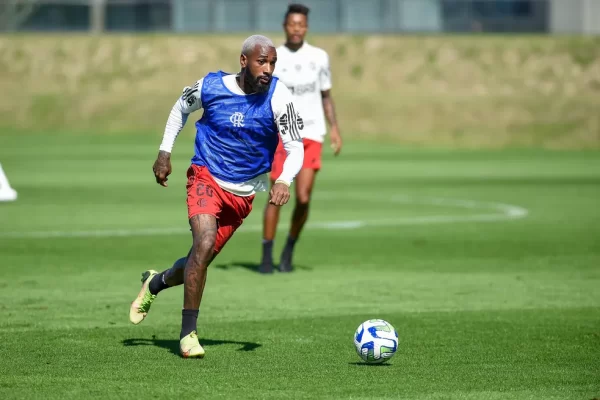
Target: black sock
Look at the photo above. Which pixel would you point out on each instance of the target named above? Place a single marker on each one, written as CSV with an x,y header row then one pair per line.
x,y
267,257
188,322
157,284
286,255
289,245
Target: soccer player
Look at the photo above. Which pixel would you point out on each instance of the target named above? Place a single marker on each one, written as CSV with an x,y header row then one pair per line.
x,y
305,71
244,117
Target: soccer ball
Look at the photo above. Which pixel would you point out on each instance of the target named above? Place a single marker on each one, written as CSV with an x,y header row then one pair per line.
x,y
376,341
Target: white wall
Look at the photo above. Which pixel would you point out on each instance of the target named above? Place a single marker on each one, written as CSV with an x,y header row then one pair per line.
x,y
575,16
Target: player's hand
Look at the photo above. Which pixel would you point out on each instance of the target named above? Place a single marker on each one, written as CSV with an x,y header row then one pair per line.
x,y
336,141
162,168
279,194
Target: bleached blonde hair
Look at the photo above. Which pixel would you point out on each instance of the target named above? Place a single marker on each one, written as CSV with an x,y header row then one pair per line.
x,y
254,40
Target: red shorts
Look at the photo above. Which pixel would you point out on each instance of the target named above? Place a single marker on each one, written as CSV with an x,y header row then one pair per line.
x,y
205,196
312,157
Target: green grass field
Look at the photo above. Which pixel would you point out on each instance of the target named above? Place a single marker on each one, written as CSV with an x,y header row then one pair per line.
x,y
486,262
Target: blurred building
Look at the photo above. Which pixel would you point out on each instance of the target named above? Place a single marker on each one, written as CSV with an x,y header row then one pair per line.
x,y
327,16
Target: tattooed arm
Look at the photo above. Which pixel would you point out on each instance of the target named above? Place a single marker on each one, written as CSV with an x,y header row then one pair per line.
x,y
162,167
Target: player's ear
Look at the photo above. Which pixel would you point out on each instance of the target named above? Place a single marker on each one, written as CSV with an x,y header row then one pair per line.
x,y
243,61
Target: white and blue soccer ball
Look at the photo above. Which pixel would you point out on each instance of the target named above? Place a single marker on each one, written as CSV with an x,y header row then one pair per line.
x,y
376,341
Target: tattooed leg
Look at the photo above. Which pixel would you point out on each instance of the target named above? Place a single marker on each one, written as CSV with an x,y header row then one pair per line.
x,y
204,231
173,276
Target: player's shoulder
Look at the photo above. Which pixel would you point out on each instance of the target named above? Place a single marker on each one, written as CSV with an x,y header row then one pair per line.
x,y
281,100
283,53
317,52
211,77
282,96
281,90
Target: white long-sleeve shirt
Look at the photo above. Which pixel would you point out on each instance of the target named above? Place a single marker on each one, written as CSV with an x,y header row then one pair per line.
x,y
282,105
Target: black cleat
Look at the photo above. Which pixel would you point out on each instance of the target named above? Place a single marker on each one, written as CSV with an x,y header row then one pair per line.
x,y
285,267
266,268
285,264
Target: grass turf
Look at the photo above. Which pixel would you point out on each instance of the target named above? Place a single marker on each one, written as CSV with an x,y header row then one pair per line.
x,y
486,307
457,90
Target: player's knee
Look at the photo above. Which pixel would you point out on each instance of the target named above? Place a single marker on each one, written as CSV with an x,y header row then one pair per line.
x,y
302,198
204,247
207,242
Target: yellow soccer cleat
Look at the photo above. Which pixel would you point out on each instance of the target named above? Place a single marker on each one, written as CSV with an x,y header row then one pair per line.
x,y
190,347
141,305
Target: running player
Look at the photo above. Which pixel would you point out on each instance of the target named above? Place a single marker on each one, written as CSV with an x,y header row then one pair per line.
x,y
245,116
305,71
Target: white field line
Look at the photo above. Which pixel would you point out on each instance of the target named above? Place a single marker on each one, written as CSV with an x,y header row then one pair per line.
x,y
493,212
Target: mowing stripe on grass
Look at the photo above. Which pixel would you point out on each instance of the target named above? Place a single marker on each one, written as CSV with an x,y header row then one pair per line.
x,y
502,212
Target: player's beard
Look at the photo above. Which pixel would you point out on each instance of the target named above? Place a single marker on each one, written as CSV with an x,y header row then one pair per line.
x,y
255,83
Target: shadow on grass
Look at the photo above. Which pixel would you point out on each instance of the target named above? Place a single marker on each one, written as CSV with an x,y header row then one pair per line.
x,y
364,364
173,345
252,266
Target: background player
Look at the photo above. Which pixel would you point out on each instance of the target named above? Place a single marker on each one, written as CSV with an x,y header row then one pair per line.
x,y
305,71
235,144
